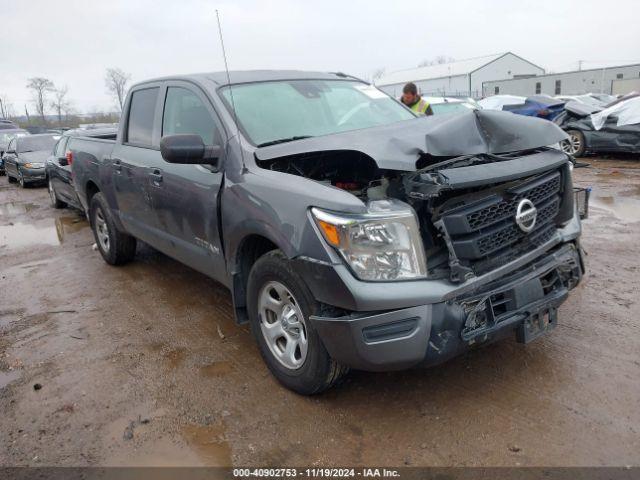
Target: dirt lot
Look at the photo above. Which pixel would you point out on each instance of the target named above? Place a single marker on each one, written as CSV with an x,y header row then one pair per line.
x,y
143,364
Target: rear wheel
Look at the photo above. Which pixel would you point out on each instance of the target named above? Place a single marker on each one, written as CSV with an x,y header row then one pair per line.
x,y
55,202
115,246
280,305
574,145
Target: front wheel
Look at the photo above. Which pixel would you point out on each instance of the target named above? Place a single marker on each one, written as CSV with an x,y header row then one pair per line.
x,y
115,246
280,305
574,145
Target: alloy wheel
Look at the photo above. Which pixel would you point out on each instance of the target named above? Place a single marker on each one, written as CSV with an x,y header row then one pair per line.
x,y
572,145
282,324
102,230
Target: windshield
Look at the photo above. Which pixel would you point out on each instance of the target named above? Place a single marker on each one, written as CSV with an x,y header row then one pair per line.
x,y
33,143
273,112
451,107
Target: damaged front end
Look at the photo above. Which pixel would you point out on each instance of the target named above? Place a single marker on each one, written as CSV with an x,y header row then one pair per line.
x,y
493,205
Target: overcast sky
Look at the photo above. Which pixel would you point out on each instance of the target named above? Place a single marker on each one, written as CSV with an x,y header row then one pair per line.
x,y
72,42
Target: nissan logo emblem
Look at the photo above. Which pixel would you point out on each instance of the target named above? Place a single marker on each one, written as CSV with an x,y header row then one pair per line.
x,y
526,214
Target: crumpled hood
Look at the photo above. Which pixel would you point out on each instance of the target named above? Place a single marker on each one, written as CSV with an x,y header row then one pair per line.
x,y
399,145
39,156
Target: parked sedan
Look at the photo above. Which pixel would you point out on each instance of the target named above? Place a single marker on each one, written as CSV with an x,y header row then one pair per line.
x,y
614,129
5,137
58,167
25,157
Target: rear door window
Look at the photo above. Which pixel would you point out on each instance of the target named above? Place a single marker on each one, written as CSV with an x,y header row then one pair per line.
x,y
141,116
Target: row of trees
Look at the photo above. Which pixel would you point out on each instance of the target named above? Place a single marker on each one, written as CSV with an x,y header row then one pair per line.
x,y
46,97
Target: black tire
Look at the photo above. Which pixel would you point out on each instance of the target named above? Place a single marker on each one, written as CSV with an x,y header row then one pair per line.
x,y
21,181
53,197
121,247
319,371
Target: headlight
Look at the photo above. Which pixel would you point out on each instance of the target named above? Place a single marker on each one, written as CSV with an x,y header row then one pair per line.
x,y
383,244
34,165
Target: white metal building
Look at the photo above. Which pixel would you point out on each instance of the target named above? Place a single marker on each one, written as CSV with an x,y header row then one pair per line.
x,y
596,80
460,78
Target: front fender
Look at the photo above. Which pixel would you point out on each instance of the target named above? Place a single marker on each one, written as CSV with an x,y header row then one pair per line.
x,y
276,206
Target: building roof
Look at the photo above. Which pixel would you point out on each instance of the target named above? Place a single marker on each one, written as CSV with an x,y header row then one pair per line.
x,y
453,69
569,72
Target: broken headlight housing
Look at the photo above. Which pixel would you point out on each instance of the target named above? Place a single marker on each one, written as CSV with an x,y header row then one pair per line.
x,y
383,244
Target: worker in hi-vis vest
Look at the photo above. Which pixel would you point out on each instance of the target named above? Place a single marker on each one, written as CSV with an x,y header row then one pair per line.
x,y
414,101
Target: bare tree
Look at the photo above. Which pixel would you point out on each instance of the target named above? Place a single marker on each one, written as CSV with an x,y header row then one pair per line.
x,y
5,106
60,102
377,74
40,88
116,82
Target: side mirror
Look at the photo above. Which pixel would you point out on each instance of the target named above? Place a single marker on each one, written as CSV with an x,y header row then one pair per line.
x,y
62,161
189,149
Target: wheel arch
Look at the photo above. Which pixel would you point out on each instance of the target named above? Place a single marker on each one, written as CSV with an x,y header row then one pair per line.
x,y
250,248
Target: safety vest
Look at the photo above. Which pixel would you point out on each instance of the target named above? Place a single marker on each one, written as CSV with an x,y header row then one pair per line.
x,y
420,107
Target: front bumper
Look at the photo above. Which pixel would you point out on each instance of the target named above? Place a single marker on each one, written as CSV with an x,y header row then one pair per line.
x,y
524,302
395,325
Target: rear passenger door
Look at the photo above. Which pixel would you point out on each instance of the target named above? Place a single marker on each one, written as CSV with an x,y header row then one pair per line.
x,y
186,197
135,162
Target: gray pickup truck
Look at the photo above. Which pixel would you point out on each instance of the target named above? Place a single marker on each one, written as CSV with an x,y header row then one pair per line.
x,y
350,232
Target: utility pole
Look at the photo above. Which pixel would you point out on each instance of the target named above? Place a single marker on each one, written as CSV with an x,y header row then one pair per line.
x,y
27,113
580,64
2,109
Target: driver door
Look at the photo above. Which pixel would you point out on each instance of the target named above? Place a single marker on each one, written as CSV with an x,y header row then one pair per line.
x,y
185,197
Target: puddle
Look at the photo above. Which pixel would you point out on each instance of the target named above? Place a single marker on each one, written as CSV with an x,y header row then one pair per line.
x,y
209,443
216,369
46,232
624,207
68,225
21,235
7,377
16,208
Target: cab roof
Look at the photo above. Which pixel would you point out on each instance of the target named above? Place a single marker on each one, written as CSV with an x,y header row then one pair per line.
x,y
249,76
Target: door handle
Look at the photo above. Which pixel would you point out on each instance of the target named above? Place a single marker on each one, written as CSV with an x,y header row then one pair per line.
x,y
156,176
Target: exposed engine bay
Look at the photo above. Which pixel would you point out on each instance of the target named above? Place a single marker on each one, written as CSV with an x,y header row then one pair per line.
x,y
465,205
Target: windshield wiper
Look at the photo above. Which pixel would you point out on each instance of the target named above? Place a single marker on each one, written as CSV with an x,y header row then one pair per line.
x,y
284,140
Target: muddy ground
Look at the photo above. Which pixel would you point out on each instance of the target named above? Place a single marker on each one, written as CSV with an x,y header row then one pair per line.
x,y
143,364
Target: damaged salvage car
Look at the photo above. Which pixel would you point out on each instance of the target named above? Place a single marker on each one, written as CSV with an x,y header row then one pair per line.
x,y
592,129
351,233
